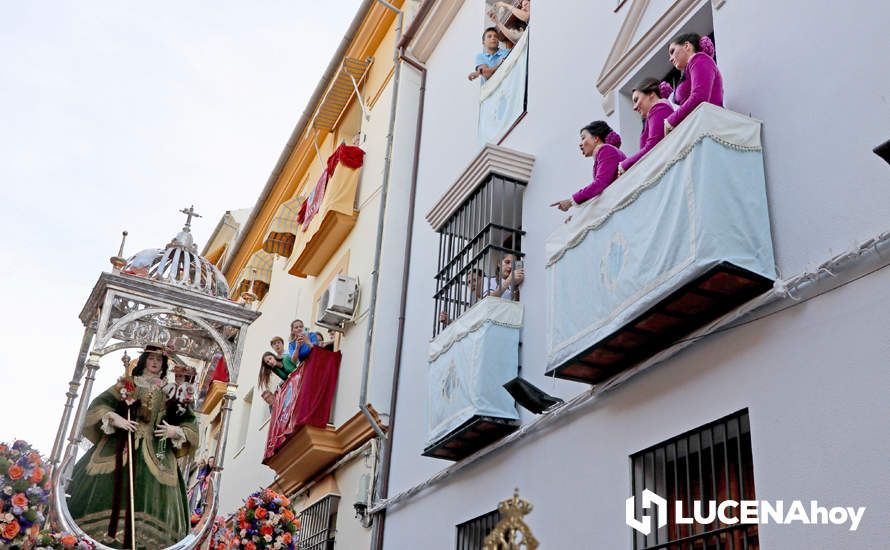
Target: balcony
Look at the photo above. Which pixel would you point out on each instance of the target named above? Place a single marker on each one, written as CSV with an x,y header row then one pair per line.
x,y
328,213
503,98
300,441
469,361
678,241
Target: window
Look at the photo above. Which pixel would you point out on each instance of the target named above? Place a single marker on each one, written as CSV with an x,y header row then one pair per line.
x,y
713,462
472,243
471,534
318,524
655,63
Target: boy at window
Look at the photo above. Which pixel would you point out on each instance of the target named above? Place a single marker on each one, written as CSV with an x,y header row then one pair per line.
x,y
488,61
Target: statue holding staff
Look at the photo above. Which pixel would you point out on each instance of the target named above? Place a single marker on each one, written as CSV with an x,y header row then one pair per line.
x,y
136,436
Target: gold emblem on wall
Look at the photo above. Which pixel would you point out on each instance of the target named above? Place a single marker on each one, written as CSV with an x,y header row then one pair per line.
x,y
511,533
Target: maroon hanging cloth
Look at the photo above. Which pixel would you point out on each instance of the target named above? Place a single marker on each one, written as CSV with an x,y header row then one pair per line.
x,y
320,370
304,399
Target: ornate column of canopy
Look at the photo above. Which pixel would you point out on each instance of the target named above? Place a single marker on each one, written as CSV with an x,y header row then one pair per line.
x,y
167,296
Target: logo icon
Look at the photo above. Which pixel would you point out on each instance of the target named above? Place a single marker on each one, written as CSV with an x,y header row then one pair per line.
x,y
644,525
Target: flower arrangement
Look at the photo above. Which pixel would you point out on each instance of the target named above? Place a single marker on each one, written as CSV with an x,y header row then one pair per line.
x,y
267,520
220,535
126,387
57,541
24,492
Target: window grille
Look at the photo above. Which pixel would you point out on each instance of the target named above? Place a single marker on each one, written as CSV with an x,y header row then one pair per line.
x,y
471,534
472,243
713,462
318,524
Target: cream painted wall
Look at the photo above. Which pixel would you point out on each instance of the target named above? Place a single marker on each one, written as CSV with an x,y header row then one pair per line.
x,y
290,297
244,471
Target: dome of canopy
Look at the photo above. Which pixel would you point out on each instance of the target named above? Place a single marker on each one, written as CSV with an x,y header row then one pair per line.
x,y
179,264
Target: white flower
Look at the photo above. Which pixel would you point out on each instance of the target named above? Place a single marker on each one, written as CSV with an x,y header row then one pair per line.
x,y
268,538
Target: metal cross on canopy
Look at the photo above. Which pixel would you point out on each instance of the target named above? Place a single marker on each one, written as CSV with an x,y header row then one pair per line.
x,y
191,214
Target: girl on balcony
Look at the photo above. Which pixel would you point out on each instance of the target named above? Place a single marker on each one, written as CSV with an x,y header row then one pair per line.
x,y
694,56
270,364
649,100
598,140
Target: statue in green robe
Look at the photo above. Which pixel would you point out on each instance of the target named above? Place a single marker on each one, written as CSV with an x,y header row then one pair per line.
x,y
100,486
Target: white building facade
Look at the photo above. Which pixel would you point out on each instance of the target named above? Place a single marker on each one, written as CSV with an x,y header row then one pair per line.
x,y
777,394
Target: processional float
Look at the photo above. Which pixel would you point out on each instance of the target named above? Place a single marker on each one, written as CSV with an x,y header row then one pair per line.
x,y
170,297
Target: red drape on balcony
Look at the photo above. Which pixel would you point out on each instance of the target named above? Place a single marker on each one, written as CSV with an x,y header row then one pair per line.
x,y
304,399
347,155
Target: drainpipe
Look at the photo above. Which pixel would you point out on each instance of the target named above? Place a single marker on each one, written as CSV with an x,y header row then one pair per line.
x,y
375,272
382,490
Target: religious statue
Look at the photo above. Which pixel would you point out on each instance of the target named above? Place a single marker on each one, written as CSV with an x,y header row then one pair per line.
x,y
138,433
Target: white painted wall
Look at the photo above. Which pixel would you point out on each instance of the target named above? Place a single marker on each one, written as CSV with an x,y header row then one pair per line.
x,y
811,377
243,471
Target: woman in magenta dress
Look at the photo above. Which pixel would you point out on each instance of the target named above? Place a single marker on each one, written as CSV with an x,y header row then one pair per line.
x,y
694,55
648,99
598,140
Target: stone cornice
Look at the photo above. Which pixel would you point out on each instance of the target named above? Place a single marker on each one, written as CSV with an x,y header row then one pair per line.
x,y
433,28
492,159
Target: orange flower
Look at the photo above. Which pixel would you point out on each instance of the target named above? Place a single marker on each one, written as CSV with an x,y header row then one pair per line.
x,y
297,523
285,501
15,472
250,546
260,513
19,499
286,538
35,458
36,475
287,514
68,541
11,530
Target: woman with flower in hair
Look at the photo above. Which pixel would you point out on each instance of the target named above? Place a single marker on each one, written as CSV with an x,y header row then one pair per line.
x,y
134,410
598,140
694,56
649,100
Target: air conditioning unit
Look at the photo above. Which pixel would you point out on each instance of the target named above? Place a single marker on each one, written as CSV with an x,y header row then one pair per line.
x,y
338,303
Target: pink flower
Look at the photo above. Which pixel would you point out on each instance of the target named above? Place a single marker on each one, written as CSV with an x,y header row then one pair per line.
x,y
706,45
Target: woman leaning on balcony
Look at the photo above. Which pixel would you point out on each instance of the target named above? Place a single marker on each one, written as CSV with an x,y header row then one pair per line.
x,y
598,140
649,100
702,83
273,364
